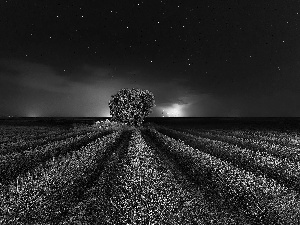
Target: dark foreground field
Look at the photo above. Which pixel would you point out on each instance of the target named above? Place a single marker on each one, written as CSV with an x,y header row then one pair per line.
x,y
171,171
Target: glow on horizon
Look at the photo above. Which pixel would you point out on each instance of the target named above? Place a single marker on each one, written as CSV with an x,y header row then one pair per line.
x,y
175,110
33,114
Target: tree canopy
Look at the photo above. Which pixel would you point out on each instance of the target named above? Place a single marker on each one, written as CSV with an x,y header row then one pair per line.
x,y
131,106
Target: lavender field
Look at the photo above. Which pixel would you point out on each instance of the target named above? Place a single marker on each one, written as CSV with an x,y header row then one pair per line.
x,y
82,173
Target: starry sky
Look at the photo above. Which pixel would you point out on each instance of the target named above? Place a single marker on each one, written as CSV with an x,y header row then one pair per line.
x,y
234,58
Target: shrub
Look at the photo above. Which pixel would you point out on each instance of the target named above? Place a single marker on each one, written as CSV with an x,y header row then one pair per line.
x,y
131,106
107,124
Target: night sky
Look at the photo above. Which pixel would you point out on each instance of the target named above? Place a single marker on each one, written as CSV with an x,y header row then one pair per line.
x,y
199,58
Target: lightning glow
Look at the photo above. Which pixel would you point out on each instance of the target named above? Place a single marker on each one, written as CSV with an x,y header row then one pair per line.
x,y
175,110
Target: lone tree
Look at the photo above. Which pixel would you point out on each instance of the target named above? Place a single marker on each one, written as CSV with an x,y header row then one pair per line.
x,y
131,106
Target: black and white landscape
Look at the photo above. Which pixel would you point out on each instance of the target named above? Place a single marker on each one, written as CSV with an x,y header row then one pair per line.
x,y
150,112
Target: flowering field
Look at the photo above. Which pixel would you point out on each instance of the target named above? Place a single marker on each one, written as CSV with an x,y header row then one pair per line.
x,y
110,173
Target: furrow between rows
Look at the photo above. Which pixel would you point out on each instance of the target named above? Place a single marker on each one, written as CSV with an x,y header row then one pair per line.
x,y
45,195
262,200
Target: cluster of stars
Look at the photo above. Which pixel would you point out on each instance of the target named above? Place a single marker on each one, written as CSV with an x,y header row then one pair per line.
x,y
190,32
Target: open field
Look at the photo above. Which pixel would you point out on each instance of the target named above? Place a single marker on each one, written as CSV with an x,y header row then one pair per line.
x,y
68,171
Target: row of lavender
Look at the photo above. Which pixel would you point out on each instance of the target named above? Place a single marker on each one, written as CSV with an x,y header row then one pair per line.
x,y
256,141
227,170
289,137
15,162
19,139
283,170
140,187
111,180
9,133
281,138
44,194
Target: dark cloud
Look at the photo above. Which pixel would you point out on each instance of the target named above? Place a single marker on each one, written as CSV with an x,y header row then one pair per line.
x,y
38,89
